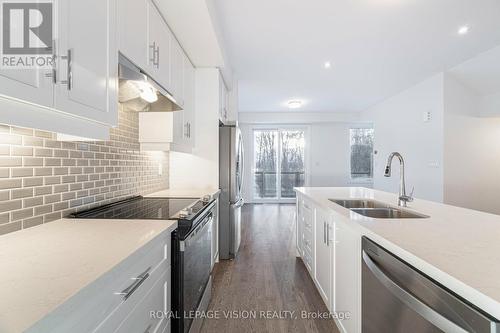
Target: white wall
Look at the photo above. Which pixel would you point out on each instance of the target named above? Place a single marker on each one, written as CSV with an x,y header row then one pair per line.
x,y
490,105
200,170
399,126
471,149
327,151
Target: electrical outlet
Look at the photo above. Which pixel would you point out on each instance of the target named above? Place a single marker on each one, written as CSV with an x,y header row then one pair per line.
x,y
427,116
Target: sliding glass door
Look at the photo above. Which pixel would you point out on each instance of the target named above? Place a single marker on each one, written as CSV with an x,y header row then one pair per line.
x,y
279,163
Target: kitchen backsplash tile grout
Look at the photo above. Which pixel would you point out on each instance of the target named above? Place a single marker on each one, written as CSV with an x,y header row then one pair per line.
x,y
42,179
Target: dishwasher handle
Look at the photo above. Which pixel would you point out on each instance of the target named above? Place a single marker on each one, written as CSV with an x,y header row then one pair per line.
x,y
411,301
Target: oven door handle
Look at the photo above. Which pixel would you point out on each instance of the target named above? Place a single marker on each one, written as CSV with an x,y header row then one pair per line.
x,y
410,300
199,231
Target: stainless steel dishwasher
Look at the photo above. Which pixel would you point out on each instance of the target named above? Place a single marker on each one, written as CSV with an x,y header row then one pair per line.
x,y
397,298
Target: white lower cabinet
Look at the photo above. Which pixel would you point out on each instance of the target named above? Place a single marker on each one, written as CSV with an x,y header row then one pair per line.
x,y
331,251
348,276
123,299
324,245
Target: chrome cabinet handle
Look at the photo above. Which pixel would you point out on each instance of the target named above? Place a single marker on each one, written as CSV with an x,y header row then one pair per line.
x,y
157,56
152,57
327,234
69,76
324,232
127,292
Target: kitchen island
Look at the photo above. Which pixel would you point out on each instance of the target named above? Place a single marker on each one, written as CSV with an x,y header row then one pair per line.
x,y
440,246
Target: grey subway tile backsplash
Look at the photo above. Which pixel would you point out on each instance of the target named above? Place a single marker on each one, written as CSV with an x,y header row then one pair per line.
x,y
10,183
42,180
22,172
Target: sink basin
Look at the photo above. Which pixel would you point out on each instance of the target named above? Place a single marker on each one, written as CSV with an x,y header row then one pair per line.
x,y
377,210
359,203
388,213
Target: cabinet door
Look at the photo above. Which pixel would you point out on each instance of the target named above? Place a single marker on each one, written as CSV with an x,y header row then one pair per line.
x,y
30,85
189,103
324,260
347,276
88,60
177,72
133,31
159,48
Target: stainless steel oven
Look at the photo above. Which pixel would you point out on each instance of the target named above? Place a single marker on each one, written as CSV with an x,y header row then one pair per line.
x,y
397,298
191,263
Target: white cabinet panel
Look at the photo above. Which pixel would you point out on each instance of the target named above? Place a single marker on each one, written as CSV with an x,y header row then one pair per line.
x,y
30,85
133,30
160,42
324,260
189,104
87,60
347,276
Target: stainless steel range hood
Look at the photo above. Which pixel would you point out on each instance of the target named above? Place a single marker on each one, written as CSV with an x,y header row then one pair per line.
x,y
139,92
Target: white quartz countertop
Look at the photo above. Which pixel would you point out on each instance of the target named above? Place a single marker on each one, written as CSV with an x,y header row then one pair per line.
x,y
184,193
43,266
460,248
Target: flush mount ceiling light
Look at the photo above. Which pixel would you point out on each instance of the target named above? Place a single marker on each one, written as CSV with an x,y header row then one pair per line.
x,y
327,65
463,30
294,104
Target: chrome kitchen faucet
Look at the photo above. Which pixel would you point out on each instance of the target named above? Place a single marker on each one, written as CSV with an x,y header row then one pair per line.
x,y
403,198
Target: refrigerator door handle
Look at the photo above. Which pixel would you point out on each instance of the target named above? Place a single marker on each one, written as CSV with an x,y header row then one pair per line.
x,y
238,203
242,171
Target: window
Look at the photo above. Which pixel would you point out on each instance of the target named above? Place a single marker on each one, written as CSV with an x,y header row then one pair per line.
x,y
361,140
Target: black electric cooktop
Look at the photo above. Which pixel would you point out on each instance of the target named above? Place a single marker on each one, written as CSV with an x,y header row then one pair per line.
x,y
145,208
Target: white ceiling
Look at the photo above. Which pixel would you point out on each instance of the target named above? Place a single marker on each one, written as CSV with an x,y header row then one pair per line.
x,y
481,73
377,47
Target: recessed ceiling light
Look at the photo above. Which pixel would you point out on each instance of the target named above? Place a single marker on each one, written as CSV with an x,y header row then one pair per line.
x,y
463,30
295,104
328,65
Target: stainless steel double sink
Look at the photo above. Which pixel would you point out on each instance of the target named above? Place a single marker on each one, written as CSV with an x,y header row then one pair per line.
x,y
377,210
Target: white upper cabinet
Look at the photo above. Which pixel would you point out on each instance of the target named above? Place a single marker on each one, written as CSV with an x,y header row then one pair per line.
x,y
222,100
32,85
168,65
189,103
78,95
178,73
133,31
87,60
159,48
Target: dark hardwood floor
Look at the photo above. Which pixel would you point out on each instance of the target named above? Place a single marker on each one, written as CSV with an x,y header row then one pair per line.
x,y
265,276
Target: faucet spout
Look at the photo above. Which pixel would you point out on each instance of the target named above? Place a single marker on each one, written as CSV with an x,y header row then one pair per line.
x,y
403,198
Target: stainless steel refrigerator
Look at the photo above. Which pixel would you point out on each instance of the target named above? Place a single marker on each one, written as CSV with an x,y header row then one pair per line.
x,y
231,182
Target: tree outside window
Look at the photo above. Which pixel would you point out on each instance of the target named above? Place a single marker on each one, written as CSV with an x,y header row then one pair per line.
x,y
361,140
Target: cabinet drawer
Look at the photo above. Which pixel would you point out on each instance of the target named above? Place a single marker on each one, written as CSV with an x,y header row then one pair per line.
x,y
156,300
85,311
150,295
